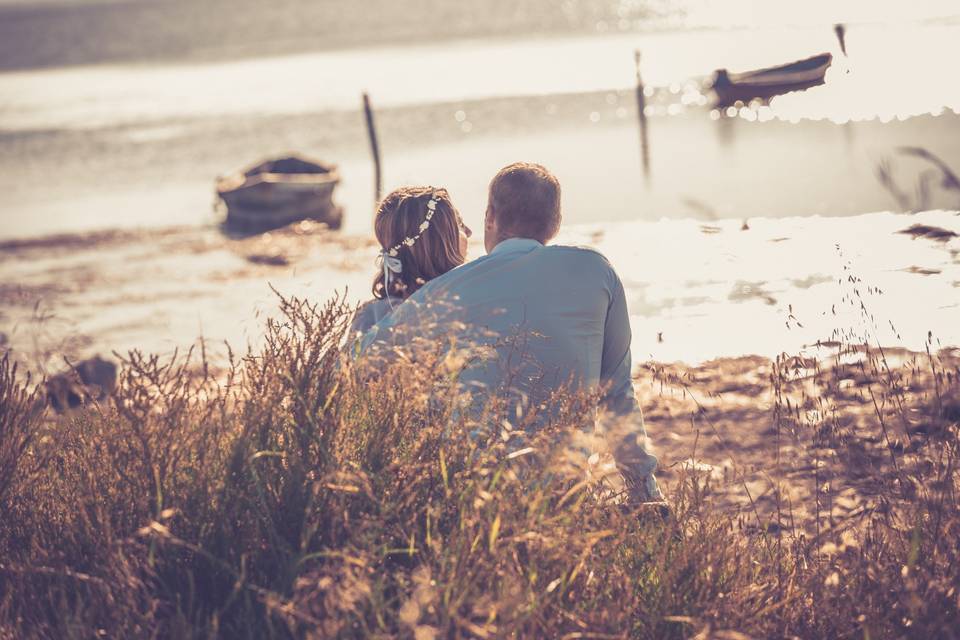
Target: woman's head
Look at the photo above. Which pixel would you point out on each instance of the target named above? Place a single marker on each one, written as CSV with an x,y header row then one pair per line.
x,y
436,248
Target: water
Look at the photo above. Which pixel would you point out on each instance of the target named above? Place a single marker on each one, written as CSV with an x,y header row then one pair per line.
x,y
122,113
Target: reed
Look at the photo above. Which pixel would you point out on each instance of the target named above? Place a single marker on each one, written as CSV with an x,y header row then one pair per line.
x,y
288,493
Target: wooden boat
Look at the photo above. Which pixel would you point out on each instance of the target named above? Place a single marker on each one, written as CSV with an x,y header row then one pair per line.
x,y
279,191
773,81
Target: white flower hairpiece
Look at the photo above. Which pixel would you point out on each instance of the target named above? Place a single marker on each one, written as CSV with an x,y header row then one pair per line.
x,y
410,241
388,260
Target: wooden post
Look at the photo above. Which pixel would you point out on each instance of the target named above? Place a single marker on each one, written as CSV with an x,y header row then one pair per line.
x,y
642,116
374,148
841,32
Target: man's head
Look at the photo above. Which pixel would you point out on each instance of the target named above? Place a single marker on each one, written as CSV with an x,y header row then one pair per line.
x,y
524,202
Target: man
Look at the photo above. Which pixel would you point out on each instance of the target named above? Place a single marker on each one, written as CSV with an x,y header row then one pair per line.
x,y
556,315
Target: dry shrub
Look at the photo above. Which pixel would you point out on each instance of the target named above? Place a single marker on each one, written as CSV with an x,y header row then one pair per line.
x,y
296,494
19,427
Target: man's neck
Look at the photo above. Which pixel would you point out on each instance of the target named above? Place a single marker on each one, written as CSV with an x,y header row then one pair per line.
x,y
515,242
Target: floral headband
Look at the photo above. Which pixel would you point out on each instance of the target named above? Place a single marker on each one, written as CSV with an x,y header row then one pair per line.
x,y
409,242
388,260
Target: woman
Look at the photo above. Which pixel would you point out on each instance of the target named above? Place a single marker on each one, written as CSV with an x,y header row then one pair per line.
x,y
421,236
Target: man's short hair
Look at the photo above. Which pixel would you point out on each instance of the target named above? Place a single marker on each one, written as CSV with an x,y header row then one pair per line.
x,y
526,202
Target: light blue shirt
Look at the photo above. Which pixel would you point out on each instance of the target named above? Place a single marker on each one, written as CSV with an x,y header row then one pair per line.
x,y
556,316
372,312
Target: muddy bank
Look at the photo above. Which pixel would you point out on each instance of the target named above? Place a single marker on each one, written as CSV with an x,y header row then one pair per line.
x,y
801,445
158,290
695,292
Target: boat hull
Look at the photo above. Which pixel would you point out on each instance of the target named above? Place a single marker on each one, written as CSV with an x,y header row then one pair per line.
x,y
765,84
264,198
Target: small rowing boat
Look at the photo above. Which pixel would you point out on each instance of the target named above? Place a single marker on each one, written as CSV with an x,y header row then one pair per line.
x,y
276,192
766,83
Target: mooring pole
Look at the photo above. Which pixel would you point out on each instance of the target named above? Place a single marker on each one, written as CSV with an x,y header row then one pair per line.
x,y
374,148
642,116
841,32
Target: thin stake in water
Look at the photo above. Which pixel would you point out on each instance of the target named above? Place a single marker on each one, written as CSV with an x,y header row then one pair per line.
x,y
374,148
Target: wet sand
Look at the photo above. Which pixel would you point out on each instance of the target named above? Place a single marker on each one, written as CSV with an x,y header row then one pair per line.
x,y
163,289
695,290
799,446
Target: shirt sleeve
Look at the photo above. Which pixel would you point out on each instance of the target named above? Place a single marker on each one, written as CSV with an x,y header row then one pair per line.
x,y
615,365
363,319
377,333
628,431
392,329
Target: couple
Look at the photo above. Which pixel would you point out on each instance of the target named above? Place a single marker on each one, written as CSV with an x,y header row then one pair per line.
x,y
568,302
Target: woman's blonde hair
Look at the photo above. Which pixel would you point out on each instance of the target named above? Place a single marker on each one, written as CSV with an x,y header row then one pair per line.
x,y
437,251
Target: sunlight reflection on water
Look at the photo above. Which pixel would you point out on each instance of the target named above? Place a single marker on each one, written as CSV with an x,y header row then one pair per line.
x,y
878,80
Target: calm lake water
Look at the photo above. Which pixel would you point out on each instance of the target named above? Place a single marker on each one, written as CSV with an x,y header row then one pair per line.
x,y
120,114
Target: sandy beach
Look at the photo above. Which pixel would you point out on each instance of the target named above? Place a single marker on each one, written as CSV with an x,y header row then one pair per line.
x,y
695,290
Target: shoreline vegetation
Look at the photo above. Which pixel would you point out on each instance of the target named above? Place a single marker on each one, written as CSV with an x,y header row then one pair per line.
x,y
288,494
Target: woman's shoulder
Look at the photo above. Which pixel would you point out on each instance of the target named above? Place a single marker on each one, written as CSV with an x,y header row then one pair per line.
x,y
371,312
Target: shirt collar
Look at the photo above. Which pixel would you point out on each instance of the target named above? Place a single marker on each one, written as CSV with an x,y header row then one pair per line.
x,y
514,245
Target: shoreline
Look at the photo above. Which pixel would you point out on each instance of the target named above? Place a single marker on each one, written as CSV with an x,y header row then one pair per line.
x,y
695,291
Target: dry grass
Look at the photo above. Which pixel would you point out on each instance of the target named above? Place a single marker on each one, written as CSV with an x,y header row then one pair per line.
x,y
292,495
